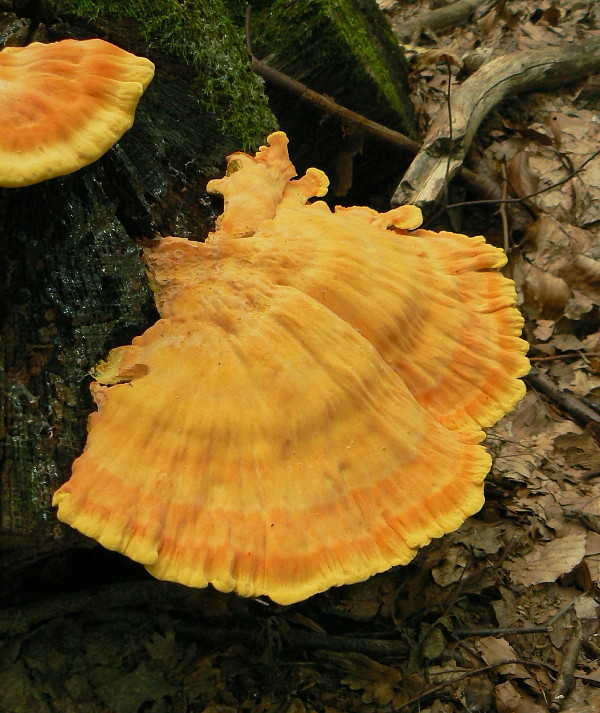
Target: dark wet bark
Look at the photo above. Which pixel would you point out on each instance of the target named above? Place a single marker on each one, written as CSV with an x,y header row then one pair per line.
x,y
74,286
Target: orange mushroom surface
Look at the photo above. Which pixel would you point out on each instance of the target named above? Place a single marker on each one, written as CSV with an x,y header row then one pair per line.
x,y
63,105
307,412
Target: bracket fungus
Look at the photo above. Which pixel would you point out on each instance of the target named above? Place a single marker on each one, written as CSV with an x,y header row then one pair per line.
x,y
307,412
63,105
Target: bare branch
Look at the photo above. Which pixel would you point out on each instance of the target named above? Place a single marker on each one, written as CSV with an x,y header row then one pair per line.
x,y
445,147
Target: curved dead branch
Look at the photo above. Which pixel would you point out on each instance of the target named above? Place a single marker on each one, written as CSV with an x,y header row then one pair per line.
x,y
453,15
445,145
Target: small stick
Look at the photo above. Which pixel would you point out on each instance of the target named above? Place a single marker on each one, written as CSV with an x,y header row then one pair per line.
x,y
541,629
17,620
520,199
575,407
497,631
503,216
592,522
452,15
440,687
566,355
566,676
329,106
590,647
299,639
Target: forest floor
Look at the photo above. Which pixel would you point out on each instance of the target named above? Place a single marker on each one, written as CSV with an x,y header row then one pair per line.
x,y
501,615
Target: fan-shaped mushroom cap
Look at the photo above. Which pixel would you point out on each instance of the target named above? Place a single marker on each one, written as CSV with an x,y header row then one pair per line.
x,y
63,105
431,303
266,435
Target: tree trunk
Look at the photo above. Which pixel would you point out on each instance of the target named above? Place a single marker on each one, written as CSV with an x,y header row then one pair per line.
x,y
74,285
344,49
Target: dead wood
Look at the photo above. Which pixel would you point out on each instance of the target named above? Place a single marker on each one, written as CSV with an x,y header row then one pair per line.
x,y
480,182
500,631
19,620
328,106
310,640
447,143
566,677
453,15
589,520
579,411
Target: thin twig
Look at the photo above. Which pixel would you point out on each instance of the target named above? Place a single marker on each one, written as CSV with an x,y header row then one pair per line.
x,y
563,610
474,180
17,620
247,28
440,687
508,630
520,199
580,412
383,133
501,631
452,15
449,107
506,76
474,672
566,677
297,638
503,216
590,647
374,129
566,355
587,519
329,106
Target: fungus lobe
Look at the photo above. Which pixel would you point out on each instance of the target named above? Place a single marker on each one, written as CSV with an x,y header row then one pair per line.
x,y
308,410
63,105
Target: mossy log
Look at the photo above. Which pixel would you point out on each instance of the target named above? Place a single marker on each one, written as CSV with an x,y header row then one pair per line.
x,y
74,285
73,281
346,50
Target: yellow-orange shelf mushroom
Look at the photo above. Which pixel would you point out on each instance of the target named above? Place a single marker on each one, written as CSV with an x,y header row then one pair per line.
x,y
63,105
307,412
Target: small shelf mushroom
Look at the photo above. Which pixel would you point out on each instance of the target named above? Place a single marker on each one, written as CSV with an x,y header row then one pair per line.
x,y
63,105
307,412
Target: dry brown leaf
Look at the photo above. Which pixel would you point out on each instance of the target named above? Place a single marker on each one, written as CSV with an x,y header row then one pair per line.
x,y
522,179
550,561
545,295
505,609
579,449
544,329
494,650
510,700
437,56
586,607
590,705
566,343
559,273
452,568
507,697
375,680
583,383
